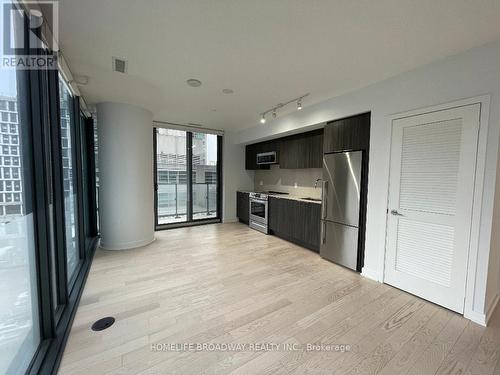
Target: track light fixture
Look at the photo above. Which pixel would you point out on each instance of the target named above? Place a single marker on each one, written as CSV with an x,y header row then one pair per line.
x,y
274,110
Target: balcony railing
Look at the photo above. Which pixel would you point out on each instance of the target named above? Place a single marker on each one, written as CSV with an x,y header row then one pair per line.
x,y
172,200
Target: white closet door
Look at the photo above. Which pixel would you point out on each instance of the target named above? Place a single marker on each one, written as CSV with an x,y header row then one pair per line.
x,y
433,158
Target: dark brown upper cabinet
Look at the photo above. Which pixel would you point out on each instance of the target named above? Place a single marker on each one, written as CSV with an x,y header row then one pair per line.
x,y
251,152
352,133
303,150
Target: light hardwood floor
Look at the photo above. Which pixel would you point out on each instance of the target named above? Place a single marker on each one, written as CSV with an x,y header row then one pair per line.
x,y
226,283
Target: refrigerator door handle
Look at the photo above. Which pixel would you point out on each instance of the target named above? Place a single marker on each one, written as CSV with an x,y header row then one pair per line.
x,y
323,199
323,232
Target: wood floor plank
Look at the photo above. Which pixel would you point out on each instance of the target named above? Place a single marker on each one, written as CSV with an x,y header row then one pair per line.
x,y
228,284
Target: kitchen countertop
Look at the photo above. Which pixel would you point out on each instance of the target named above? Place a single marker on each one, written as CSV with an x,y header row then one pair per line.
x,y
284,196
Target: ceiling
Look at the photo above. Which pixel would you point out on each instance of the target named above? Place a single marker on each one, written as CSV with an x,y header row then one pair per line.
x,y
267,51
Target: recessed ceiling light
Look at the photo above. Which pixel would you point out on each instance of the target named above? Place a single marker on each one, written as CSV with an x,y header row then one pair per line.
x,y
193,82
227,91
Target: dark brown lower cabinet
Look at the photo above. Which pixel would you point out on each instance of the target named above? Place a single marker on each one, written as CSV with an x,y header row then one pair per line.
x,y
242,206
296,221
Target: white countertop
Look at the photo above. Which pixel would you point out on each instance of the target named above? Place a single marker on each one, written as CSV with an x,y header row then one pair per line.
x,y
284,196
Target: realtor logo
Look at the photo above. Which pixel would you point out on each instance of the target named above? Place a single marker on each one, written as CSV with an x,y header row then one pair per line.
x,y
29,42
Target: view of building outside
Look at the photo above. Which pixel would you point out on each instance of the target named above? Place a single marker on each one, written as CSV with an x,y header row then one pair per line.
x,y
172,175
18,292
70,199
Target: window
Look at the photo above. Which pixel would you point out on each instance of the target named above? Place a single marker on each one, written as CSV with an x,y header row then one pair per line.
x,y
70,198
187,177
13,210
171,174
32,325
19,307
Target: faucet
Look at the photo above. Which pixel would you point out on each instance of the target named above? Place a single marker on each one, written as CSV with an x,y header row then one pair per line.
x,y
316,182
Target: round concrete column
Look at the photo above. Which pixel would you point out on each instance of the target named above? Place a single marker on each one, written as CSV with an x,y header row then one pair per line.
x,y
126,198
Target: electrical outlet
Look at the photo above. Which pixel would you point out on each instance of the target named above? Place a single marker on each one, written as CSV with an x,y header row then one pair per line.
x,y
261,182
295,185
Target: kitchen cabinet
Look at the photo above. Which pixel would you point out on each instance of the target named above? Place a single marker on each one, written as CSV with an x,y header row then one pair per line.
x,y
243,206
251,152
296,221
352,133
294,152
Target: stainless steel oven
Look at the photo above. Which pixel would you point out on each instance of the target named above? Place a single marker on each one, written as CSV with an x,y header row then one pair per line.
x,y
259,212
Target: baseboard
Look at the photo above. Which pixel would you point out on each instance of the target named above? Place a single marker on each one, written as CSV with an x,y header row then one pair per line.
x,y
370,274
230,219
491,308
483,318
476,317
126,245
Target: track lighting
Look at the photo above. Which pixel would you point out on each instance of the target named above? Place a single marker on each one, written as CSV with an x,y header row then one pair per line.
x,y
274,110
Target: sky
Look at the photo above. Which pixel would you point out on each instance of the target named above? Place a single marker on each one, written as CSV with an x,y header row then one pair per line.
x,y
7,76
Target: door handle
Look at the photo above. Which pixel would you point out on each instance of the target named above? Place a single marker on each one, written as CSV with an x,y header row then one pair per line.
x,y
396,213
323,233
323,199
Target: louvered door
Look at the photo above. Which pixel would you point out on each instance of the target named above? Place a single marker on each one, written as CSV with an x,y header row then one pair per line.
x,y
430,204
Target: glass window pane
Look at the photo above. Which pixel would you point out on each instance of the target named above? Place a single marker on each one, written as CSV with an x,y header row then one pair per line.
x,y
70,203
204,176
171,176
19,329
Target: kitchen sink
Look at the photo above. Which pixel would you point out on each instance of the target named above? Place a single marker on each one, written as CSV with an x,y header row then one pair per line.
x,y
311,199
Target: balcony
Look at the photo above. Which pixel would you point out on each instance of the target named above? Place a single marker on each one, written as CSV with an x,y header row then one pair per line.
x,y
172,202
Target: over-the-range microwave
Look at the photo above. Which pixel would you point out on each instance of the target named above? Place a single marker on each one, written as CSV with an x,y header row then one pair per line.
x,y
267,158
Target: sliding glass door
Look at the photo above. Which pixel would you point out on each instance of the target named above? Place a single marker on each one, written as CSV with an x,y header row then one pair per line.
x,y
187,177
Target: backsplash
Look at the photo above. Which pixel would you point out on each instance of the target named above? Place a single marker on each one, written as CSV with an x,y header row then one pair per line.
x,y
296,182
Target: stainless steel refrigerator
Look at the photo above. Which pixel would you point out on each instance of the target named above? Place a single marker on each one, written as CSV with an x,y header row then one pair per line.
x,y
340,207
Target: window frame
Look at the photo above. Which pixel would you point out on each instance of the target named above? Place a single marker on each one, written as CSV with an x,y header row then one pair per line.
x,y
38,108
189,177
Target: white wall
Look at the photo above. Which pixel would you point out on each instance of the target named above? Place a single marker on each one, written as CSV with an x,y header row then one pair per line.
x,y
125,175
470,74
234,175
